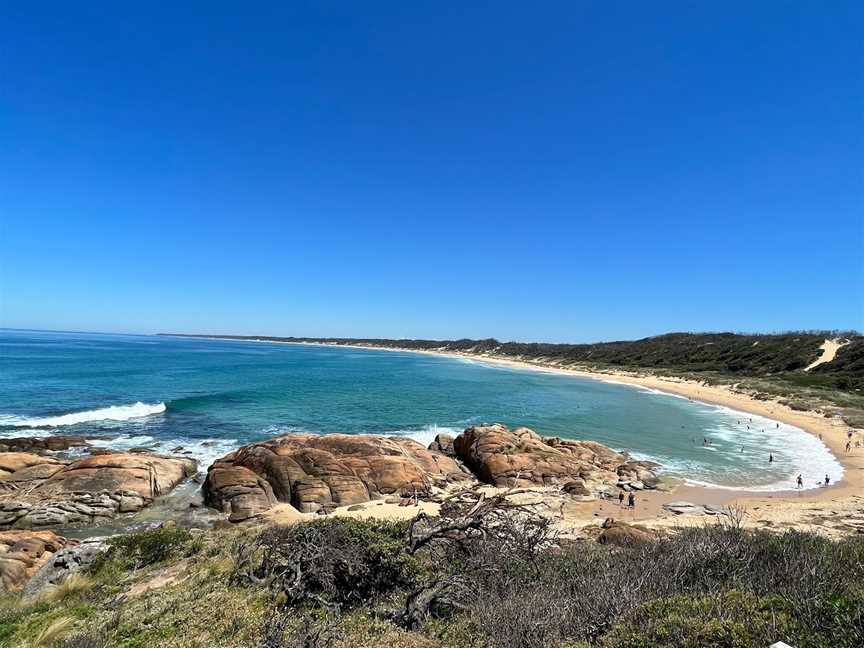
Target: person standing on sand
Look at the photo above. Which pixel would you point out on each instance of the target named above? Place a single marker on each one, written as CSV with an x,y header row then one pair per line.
x,y
620,498
800,481
631,500
827,480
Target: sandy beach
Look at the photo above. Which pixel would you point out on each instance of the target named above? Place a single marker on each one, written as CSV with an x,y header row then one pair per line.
x,y
834,510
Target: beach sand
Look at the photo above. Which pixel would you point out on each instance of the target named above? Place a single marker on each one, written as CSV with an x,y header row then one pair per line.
x,y
834,510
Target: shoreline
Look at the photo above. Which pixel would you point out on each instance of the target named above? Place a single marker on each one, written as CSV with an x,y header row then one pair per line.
x,y
808,421
776,509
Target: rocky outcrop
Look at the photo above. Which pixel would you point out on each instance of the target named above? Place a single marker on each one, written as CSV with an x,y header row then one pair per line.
x,y
689,508
39,491
637,475
520,457
443,443
57,567
42,445
23,553
318,472
621,534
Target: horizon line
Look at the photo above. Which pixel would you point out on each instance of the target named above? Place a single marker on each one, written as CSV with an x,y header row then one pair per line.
x,y
835,332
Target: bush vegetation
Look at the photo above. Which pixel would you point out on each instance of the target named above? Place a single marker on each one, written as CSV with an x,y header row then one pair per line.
x,y
458,581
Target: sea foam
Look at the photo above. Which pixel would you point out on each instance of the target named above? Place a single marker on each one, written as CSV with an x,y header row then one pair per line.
x,y
112,413
204,451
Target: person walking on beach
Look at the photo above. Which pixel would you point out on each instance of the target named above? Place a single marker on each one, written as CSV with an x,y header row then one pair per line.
x,y
848,447
620,498
800,481
631,500
827,480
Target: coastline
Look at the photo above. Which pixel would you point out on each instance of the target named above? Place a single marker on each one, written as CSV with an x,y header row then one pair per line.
x,y
778,509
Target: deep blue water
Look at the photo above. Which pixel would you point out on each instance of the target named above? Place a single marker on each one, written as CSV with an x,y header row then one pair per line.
x,y
209,396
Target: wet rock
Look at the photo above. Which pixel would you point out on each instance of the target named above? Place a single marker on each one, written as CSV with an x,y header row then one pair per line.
x,y
42,445
443,443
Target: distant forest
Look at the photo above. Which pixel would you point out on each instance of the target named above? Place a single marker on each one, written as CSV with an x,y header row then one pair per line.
x,y
783,355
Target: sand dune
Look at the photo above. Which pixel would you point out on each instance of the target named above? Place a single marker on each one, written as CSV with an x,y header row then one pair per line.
x,y
829,352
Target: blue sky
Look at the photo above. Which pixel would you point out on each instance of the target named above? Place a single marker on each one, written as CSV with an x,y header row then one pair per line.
x,y
566,171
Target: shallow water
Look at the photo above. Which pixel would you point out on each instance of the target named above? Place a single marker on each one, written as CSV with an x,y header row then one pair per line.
x,y
210,396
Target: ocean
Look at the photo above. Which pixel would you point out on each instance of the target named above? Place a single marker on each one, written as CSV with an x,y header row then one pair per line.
x,y
208,397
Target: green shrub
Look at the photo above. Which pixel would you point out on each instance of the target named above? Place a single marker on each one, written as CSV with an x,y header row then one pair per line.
x,y
137,550
729,620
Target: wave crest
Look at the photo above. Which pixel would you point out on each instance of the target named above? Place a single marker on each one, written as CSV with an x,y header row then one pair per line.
x,y
112,413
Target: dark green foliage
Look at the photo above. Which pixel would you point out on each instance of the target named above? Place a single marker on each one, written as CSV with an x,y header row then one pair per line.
x,y
138,550
728,620
332,562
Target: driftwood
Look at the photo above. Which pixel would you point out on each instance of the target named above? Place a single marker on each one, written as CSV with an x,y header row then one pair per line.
x,y
482,531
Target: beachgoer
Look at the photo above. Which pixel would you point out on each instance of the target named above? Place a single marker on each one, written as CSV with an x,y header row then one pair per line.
x,y
848,446
620,498
770,457
827,480
800,481
631,500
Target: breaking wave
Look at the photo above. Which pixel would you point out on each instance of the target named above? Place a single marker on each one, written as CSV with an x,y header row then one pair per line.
x,y
204,451
112,413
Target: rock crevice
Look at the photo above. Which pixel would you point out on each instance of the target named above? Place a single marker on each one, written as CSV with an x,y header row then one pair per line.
x,y
40,491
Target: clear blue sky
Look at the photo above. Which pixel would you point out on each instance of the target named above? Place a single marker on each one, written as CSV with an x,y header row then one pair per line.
x,y
537,171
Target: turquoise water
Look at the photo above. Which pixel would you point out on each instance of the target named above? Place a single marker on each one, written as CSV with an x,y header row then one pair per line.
x,y
211,396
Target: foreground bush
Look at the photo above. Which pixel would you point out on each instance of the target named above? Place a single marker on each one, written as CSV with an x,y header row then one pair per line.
x,y
332,562
729,620
739,587
454,583
144,548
